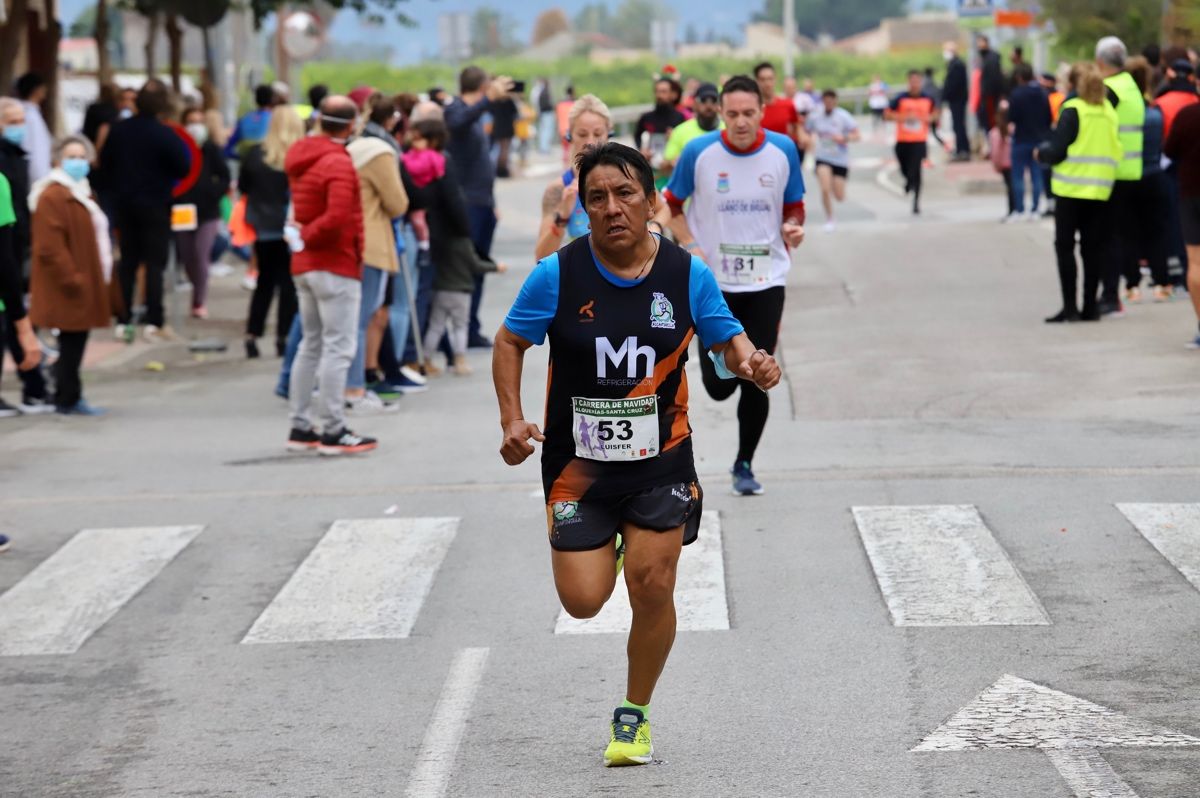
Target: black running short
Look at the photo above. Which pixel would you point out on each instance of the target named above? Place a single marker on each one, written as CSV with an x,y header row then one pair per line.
x,y
838,171
592,523
1189,212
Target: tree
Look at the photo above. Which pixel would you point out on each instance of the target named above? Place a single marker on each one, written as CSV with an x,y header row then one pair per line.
x,y
492,32
549,23
632,22
12,34
838,18
594,18
1081,23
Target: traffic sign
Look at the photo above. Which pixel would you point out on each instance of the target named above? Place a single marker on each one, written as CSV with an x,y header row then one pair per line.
x,y
1013,19
976,8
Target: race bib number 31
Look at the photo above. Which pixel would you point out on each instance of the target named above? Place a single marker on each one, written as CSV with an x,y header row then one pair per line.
x,y
616,429
745,264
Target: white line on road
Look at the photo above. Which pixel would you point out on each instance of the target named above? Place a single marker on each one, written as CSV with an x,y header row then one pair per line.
x,y
1088,774
700,601
75,591
939,565
365,580
1173,529
435,760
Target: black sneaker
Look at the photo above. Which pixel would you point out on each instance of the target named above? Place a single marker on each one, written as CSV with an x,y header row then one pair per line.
x,y
35,406
1063,316
345,442
8,411
303,440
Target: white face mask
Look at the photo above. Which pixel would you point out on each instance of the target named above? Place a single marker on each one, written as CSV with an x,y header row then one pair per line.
x,y
198,132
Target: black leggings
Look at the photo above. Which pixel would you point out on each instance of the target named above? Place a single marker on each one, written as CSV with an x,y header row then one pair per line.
x,y
911,155
760,312
1090,219
274,270
69,386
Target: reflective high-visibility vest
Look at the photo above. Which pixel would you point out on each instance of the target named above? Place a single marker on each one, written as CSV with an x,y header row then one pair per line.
x,y
1131,116
1093,158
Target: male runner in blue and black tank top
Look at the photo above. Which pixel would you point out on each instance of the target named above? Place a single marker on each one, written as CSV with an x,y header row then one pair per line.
x,y
620,306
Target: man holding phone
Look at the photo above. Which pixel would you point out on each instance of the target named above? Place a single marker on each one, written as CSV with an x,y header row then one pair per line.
x,y
471,151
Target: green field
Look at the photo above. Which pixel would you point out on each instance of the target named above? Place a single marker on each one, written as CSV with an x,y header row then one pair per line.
x,y
626,83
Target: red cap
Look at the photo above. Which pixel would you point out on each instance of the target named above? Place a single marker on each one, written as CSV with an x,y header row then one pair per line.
x,y
360,95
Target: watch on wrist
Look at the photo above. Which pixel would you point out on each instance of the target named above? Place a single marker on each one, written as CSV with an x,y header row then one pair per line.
x,y
560,221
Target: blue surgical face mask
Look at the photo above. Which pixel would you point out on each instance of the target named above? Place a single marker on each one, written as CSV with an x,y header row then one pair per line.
x,y
15,134
76,168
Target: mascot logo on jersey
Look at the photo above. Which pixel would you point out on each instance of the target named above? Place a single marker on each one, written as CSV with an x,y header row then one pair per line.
x,y
662,313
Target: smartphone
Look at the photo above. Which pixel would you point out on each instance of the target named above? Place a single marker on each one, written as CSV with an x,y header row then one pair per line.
x,y
518,87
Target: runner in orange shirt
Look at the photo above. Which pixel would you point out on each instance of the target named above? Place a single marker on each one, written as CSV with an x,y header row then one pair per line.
x,y
913,111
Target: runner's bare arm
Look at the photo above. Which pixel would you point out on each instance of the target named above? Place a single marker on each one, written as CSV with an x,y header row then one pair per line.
x,y
683,234
508,357
550,235
748,363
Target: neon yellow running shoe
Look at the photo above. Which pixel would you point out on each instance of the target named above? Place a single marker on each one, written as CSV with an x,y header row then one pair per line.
x,y
620,553
630,743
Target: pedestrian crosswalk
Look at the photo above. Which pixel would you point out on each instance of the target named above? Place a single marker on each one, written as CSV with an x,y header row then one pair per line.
x,y
365,580
934,565
939,565
75,591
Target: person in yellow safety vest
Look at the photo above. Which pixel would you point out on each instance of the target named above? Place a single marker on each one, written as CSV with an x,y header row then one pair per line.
x,y
1131,117
1085,153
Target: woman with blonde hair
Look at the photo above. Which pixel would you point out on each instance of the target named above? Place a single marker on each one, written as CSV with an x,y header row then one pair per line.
x,y
71,266
1084,152
563,216
265,186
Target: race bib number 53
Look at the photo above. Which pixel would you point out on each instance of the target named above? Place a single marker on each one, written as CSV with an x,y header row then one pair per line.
x,y
616,429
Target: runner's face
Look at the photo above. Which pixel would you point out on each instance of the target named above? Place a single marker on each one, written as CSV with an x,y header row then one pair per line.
x,y
830,104
617,208
707,109
588,129
663,93
914,83
766,82
742,112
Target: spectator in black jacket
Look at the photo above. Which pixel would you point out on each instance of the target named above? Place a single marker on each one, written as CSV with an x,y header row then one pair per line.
x,y
144,159
991,83
1029,118
195,246
265,186
954,94
14,165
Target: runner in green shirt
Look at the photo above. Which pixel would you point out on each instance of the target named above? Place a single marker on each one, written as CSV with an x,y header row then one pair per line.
x,y
706,120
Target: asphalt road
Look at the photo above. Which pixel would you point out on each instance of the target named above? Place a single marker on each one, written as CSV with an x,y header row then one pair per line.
x,y
251,623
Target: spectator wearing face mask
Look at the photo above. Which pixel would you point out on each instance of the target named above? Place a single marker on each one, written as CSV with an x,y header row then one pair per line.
x,y
72,266
194,247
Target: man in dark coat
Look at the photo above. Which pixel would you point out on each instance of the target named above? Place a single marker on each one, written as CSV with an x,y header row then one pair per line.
x,y
991,84
954,94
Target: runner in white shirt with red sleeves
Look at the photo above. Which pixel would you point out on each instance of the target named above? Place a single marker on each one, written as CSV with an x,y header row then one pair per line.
x,y
746,214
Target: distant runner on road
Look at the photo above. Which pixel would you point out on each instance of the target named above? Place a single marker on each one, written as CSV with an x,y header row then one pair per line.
x,y
620,307
913,111
834,128
746,212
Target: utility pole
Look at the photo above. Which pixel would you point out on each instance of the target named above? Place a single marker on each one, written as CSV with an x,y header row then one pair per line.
x,y
789,37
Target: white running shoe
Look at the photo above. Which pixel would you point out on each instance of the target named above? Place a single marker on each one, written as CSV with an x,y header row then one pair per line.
x,y
412,375
829,226
369,404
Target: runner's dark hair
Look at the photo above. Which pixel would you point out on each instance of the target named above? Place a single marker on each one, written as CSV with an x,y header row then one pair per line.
x,y
631,163
761,66
742,83
829,93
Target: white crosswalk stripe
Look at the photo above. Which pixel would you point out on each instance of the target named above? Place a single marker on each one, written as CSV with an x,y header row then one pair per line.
x,y
700,601
365,580
939,565
1173,529
75,591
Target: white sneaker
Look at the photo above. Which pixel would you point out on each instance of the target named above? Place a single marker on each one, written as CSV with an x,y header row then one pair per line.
x,y
220,269
412,375
1012,217
249,283
153,334
1031,216
829,226
369,404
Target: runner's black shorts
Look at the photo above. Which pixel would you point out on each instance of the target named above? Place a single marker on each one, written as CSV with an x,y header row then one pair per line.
x,y
592,523
1189,212
838,171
